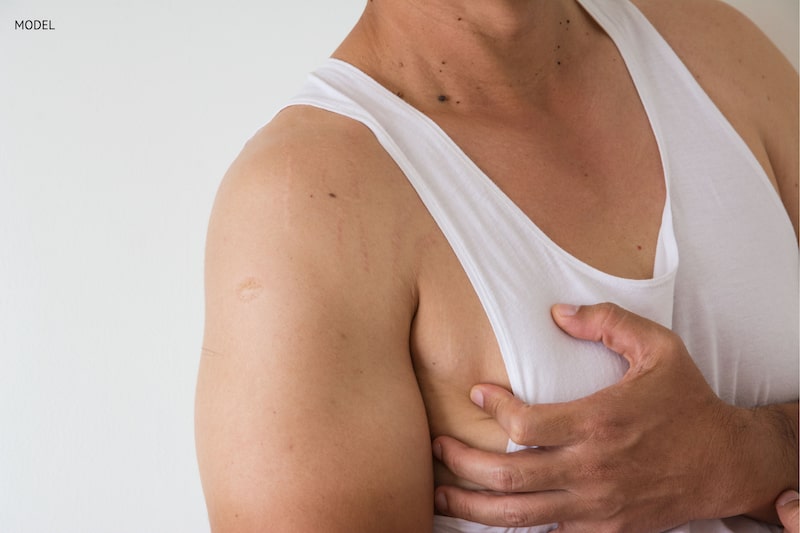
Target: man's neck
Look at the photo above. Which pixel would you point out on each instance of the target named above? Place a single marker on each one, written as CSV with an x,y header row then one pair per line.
x,y
473,53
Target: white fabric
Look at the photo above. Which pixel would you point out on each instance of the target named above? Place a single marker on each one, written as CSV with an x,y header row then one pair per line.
x,y
726,276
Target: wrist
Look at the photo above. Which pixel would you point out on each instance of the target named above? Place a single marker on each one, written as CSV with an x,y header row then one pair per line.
x,y
763,459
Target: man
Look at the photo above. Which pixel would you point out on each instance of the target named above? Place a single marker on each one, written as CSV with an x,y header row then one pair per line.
x,y
363,273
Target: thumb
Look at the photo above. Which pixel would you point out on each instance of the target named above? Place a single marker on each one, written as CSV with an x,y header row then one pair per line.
x,y
630,335
788,507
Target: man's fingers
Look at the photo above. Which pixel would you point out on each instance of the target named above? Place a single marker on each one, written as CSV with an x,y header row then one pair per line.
x,y
505,510
623,332
516,472
788,507
555,424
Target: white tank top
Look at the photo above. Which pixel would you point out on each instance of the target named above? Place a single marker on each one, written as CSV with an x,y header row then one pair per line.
x,y
726,272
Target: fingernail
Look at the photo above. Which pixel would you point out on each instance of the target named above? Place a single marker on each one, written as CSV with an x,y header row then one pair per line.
x,y
437,450
441,501
477,397
788,497
566,309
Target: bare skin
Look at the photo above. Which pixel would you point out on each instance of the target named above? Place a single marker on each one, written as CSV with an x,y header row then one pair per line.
x,y
329,286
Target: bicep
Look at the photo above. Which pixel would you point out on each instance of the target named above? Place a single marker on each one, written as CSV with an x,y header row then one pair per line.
x,y
308,413
310,444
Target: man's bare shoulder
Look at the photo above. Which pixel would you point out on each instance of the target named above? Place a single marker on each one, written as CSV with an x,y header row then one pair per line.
x,y
309,163
712,37
312,190
305,147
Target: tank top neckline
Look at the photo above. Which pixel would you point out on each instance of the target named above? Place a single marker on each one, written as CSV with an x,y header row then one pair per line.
x,y
665,261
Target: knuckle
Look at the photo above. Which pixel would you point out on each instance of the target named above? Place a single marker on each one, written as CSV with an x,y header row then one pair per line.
x,y
611,316
513,516
520,428
673,342
506,478
609,504
463,509
666,348
611,323
604,420
614,503
607,427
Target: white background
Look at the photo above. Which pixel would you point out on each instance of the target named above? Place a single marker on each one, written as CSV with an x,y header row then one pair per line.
x,y
115,129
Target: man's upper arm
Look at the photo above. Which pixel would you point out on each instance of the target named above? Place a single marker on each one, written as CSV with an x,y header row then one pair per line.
x,y
308,413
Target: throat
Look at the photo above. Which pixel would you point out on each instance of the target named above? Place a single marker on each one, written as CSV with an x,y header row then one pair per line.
x,y
477,54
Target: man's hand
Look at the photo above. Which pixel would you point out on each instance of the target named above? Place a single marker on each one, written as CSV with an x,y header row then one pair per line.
x,y
655,450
